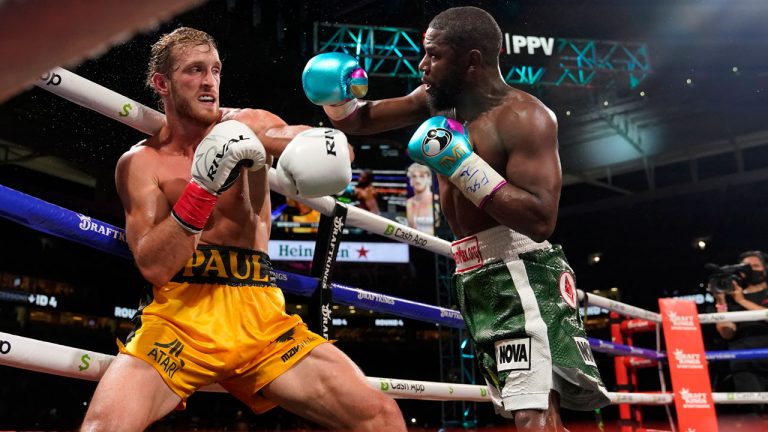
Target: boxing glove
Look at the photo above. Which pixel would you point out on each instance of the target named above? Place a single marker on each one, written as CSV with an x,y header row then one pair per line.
x,y
334,80
315,163
215,167
443,145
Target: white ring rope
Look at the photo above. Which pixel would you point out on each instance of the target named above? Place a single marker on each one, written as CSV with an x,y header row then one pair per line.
x,y
83,92
93,96
373,223
31,354
619,307
636,312
740,316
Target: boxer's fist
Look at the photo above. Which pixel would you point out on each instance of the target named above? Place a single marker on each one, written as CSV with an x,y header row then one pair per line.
x,y
316,163
443,145
215,167
333,78
218,157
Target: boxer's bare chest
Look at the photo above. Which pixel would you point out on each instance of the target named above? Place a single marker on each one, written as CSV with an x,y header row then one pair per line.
x,y
464,217
233,218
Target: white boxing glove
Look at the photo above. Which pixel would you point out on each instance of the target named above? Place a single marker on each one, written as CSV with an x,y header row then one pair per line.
x,y
315,163
215,168
229,145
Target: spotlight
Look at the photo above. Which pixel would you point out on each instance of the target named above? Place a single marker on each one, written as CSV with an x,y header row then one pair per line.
x,y
642,94
568,113
689,81
605,103
595,258
701,243
735,69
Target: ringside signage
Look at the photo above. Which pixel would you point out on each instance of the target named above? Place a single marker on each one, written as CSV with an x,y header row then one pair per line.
x,y
294,250
687,365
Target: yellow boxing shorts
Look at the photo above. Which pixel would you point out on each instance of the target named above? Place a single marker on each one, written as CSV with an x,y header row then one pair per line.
x,y
222,320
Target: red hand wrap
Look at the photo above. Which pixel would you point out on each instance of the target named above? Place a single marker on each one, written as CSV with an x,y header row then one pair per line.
x,y
194,207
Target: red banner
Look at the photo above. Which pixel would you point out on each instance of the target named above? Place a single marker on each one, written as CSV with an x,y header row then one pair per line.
x,y
688,366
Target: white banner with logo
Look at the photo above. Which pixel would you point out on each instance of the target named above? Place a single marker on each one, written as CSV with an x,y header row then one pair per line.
x,y
294,250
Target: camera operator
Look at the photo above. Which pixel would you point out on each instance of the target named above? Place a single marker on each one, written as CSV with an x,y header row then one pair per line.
x,y
747,291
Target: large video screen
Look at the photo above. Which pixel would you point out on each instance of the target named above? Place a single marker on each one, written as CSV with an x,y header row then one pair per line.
x,y
407,196
384,182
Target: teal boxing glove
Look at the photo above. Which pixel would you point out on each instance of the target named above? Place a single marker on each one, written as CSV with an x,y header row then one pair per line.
x,y
335,81
443,145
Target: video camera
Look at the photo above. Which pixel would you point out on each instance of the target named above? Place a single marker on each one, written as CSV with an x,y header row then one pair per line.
x,y
721,278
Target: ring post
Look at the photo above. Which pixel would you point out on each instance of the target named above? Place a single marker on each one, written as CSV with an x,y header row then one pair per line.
x,y
323,261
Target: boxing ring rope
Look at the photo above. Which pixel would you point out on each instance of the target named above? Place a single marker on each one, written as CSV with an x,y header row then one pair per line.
x,y
627,350
54,220
636,312
86,93
46,357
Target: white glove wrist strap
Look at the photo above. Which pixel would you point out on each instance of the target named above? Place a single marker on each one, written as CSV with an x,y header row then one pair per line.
x,y
477,180
342,110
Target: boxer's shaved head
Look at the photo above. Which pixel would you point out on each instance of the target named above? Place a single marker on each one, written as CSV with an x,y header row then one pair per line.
x,y
467,28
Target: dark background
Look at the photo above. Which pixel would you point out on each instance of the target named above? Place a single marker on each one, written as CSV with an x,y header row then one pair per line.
x,y
708,179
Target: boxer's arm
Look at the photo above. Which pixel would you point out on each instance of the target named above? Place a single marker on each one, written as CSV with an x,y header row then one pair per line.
x,y
159,245
374,116
528,203
273,131
258,189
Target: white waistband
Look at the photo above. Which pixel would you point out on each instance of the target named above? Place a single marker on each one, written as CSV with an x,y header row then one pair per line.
x,y
492,244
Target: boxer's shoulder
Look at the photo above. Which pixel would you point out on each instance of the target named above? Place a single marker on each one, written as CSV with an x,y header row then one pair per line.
x,y
521,116
257,119
143,149
142,156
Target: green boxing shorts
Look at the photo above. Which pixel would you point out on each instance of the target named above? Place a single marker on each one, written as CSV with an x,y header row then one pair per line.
x,y
519,301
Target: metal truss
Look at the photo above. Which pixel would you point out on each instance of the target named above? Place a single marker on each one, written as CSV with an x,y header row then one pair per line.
x,y
395,53
586,63
383,51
